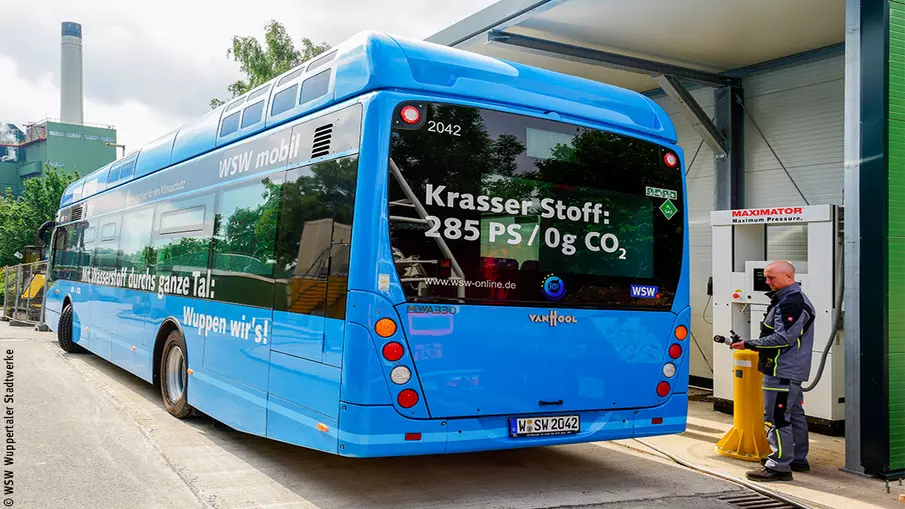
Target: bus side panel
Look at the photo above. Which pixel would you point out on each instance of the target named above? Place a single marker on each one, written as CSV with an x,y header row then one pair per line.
x,y
104,315
309,384
237,342
372,256
53,303
363,381
125,311
223,397
82,326
235,404
683,292
298,425
303,403
297,334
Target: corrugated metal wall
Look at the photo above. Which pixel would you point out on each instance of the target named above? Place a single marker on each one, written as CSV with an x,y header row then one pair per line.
x,y
799,108
700,203
896,243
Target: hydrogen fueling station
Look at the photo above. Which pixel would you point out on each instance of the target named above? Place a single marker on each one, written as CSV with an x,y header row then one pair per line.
x,y
789,115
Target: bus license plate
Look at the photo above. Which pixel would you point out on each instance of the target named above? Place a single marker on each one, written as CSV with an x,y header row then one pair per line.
x,y
540,426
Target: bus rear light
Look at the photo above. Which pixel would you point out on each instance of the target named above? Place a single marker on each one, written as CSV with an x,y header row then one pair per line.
x,y
656,420
407,398
663,389
393,351
675,351
385,327
669,370
410,115
681,332
671,160
413,437
400,375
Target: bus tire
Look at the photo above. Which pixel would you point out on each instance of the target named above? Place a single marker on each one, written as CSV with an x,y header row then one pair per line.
x,y
173,374
64,332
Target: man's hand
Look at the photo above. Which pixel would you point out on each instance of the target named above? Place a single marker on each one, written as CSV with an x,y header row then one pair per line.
x,y
738,346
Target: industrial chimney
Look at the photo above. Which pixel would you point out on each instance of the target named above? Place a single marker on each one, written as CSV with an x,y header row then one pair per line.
x,y
71,74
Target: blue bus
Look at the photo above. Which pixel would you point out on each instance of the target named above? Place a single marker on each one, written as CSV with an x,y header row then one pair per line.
x,y
396,248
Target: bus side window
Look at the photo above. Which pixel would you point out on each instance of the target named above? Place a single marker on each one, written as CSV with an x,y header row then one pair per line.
x,y
135,239
242,253
345,174
182,235
86,244
303,243
313,246
62,257
107,243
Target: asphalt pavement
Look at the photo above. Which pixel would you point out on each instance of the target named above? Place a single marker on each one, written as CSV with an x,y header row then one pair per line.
x,y
90,435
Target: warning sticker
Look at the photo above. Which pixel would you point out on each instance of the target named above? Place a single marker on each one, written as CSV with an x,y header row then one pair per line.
x,y
383,282
668,209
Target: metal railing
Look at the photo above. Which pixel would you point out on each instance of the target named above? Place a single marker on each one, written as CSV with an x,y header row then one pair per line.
x,y
23,294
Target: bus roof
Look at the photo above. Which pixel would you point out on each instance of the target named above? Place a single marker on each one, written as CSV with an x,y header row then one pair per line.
x,y
371,61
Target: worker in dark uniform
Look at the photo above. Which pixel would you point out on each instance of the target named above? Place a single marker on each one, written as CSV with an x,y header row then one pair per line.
x,y
784,347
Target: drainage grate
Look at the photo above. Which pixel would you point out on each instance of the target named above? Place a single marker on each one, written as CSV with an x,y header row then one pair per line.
x,y
751,500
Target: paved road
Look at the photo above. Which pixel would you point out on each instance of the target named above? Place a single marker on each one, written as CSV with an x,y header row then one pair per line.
x,y
91,435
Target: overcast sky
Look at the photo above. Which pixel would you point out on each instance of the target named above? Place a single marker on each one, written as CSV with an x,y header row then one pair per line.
x,y
150,66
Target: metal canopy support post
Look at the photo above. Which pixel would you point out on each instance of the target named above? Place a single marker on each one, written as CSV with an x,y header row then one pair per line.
x,y
694,114
852,253
729,178
612,60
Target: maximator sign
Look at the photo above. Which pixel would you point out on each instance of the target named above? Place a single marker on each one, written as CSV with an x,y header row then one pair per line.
x,y
771,215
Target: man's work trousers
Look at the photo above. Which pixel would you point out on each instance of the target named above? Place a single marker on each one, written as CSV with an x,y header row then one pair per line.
x,y
787,428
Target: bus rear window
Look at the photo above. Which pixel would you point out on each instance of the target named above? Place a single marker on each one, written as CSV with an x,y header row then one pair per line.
x,y
495,208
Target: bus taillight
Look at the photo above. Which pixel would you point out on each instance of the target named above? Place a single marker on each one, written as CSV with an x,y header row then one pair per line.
x,y
393,351
675,351
407,398
663,389
681,332
385,327
410,115
671,160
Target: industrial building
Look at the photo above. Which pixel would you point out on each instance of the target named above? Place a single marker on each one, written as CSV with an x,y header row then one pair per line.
x,y
68,143
777,104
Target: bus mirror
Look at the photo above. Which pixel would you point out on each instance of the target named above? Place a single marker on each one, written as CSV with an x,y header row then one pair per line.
x,y
42,238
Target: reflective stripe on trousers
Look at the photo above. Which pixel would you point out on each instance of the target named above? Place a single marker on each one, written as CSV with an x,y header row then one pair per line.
x,y
787,427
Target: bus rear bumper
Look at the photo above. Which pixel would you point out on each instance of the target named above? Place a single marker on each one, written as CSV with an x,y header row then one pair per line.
x,y
373,431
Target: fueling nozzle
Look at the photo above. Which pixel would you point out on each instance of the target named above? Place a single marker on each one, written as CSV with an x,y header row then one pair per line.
x,y
733,338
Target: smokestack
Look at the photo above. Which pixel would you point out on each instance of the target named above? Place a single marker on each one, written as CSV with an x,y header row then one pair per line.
x,y
71,74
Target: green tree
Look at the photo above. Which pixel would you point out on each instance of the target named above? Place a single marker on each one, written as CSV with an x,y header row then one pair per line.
x,y
22,215
263,63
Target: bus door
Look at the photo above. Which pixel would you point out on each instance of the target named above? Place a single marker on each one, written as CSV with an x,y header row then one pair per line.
x,y
79,292
311,282
106,293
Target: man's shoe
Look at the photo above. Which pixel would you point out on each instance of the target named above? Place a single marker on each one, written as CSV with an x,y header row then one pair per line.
x,y
801,467
767,474
796,467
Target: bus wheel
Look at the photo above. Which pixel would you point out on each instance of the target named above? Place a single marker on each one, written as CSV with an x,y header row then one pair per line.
x,y
64,332
174,376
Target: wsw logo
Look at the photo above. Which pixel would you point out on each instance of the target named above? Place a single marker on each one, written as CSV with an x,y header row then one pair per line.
x,y
644,292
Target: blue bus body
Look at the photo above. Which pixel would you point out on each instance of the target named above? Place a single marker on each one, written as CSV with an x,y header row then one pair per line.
x,y
319,379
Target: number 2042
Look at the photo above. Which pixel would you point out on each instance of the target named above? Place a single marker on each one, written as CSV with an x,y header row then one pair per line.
x,y
440,127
